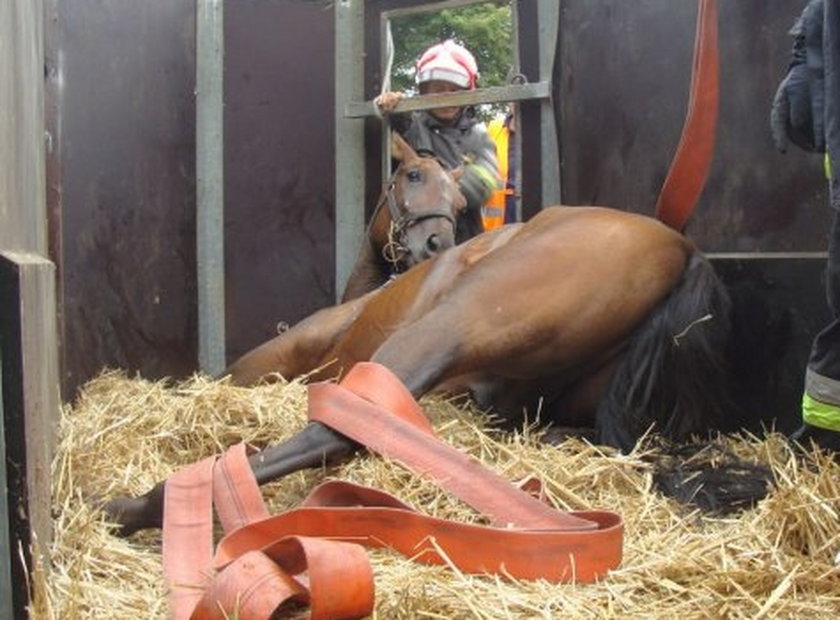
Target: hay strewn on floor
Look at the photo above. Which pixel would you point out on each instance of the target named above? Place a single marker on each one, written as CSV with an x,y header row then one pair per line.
x,y
123,435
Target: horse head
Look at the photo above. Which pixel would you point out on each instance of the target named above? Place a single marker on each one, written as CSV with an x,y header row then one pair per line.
x,y
413,221
423,202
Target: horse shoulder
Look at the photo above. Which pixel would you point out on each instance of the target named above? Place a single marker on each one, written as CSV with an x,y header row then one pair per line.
x,y
302,349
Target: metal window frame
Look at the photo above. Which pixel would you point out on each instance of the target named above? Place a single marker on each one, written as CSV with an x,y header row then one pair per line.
x,y
351,109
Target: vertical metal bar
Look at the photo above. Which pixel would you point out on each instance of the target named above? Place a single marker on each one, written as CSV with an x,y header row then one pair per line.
x,y
5,544
209,144
517,118
349,139
386,54
548,12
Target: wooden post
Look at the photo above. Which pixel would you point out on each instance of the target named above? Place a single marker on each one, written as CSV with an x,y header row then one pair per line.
x,y
31,409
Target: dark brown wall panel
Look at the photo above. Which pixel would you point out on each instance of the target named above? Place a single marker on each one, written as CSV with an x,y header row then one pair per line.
x,y
279,166
127,186
124,179
625,81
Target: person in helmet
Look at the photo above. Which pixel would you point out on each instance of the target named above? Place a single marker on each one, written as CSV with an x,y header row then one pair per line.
x,y
453,134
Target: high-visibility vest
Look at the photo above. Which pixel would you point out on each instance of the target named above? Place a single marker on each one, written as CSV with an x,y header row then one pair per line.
x,y
493,212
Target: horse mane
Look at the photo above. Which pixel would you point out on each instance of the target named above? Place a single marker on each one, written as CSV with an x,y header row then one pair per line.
x,y
673,376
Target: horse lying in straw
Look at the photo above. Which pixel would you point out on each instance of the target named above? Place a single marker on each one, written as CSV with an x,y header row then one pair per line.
x,y
581,317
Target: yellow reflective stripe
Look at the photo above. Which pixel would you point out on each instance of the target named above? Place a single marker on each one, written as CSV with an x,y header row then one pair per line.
x,y
486,176
827,166
820,414
500,136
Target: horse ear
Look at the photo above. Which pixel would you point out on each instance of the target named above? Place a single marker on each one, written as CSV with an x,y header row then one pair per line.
x,y
400,149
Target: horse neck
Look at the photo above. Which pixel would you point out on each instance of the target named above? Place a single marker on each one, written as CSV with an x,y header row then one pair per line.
x,y
371,270
379,229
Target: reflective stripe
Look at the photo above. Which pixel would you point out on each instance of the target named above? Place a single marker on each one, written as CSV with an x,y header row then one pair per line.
x,y
821,401
822,388
821,415
485,176
489,212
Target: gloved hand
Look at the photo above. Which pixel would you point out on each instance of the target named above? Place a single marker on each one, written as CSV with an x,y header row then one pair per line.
x,y
792,115
387,101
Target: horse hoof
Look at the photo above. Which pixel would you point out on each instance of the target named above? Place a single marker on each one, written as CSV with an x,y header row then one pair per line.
x,y
555,435
128,513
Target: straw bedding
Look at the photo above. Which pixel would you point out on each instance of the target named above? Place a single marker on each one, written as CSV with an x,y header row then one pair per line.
x,y
123,434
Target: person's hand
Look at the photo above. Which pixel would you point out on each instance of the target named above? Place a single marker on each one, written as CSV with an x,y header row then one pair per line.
x,y
387,101
796,112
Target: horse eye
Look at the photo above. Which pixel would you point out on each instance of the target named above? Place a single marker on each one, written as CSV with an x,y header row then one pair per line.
x,y
414,176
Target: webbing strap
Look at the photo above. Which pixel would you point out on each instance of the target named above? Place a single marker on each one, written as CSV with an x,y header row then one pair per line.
x,y
386,433
283,558
188,535
690,166
236,494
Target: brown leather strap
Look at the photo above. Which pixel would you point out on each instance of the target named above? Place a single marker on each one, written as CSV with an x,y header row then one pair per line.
x,y
278,559
690,166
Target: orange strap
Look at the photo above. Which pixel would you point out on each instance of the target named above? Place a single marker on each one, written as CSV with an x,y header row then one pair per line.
x,y
281,558
690,166
188,525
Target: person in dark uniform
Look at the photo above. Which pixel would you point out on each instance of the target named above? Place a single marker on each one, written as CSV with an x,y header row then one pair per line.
x,y
806,111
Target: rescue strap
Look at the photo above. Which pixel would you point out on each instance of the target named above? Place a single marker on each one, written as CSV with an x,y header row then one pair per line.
x,y
314,554
692,160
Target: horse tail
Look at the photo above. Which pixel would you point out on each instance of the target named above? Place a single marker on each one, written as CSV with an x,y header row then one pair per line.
x,y
673,376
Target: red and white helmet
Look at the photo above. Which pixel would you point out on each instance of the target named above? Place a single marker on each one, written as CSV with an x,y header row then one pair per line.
x,y
449,62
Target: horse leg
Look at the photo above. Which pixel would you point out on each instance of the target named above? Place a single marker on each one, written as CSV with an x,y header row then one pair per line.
x,y
297,352
314,446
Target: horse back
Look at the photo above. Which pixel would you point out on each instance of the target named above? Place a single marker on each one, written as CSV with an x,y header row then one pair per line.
x,y
556,296
565,291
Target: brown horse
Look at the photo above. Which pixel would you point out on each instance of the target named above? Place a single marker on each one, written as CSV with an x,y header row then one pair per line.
x,y
583,316
413,220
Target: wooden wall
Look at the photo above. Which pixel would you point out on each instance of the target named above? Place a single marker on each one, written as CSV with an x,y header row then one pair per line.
x,y
28,338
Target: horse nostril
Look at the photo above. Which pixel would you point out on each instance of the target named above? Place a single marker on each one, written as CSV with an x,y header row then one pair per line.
x,y
433,244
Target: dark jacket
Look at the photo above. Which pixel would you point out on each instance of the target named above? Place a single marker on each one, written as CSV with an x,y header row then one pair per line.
x,y
831,54
798,110
464,143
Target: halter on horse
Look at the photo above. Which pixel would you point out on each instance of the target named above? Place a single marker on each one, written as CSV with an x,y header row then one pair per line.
x,y
423,202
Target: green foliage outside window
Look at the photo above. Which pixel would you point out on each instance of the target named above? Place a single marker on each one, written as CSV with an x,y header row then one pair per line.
x,y
486,29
